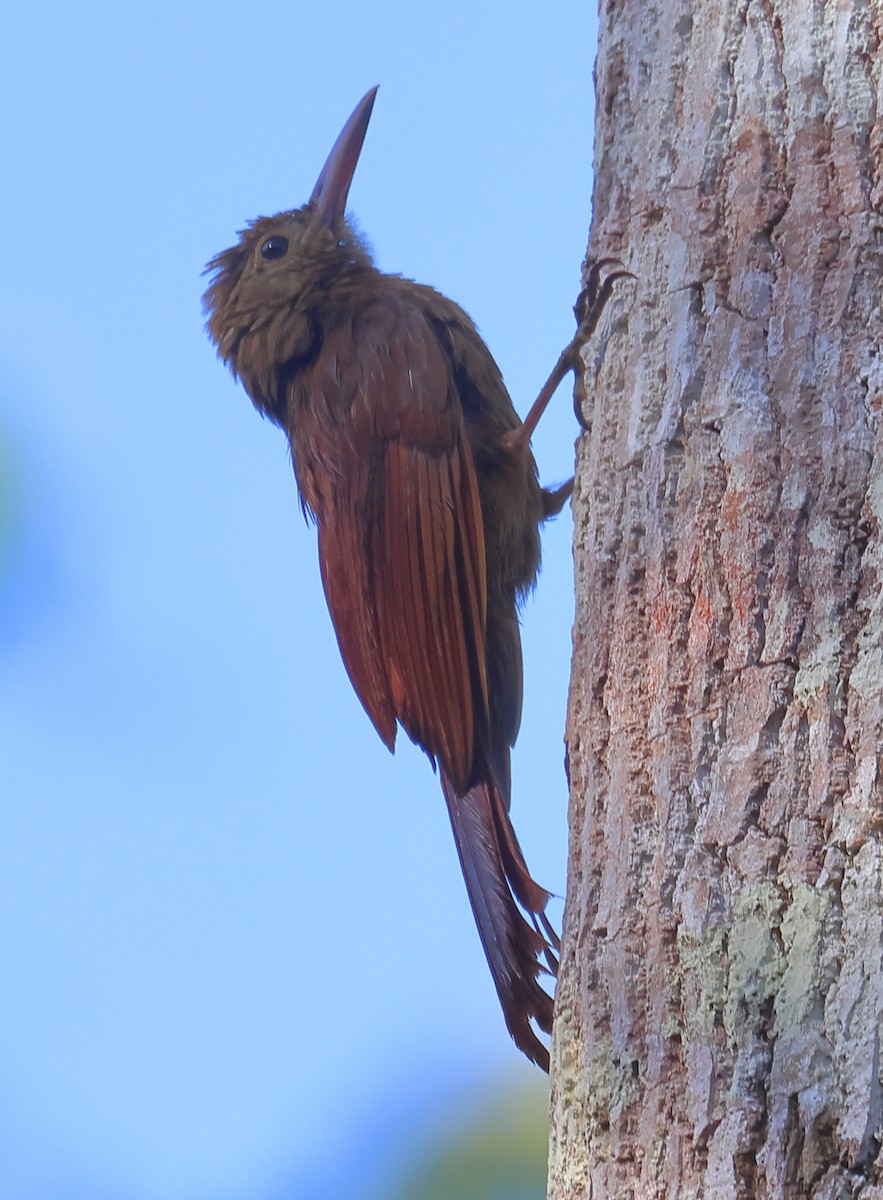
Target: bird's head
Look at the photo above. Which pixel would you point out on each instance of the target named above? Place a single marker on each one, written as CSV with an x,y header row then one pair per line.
x,y
271,293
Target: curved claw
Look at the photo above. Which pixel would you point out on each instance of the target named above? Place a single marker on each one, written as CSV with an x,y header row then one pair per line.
x,y
587,310
589,306
595,294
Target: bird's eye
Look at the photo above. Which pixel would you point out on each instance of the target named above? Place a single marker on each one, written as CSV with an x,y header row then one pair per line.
x,y
275,246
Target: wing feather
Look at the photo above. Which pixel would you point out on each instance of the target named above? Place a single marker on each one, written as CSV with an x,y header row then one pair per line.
x,y
383,463
443,689
427,640
403,630
347,583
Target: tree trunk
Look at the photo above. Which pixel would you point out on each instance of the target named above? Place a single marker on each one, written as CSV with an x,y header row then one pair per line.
x,y
721,987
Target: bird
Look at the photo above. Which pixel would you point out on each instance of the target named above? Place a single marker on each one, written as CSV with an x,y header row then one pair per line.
x,y
411,460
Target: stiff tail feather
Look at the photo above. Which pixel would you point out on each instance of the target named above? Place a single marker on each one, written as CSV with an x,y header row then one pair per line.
x,y
497,880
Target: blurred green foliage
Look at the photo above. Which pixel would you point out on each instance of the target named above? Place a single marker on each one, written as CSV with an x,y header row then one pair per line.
x,y
497,1152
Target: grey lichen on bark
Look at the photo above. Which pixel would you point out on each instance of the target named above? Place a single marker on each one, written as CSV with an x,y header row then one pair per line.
x,y
720,998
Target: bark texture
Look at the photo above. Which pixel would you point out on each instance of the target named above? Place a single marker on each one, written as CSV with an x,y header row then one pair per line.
x,y
721,989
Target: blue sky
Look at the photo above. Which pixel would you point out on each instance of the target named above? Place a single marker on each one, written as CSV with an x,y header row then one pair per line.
x,y
236,947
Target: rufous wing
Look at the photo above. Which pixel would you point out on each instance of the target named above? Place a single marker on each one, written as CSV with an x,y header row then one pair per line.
x,y
383,462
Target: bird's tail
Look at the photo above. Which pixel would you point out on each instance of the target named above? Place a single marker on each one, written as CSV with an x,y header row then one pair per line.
x,y
496,877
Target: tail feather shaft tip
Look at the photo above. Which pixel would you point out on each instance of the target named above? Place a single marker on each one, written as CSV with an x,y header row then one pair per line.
x,y
498,881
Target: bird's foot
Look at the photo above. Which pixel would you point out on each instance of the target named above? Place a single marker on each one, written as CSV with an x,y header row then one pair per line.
x,y
554,499
587,310
589,306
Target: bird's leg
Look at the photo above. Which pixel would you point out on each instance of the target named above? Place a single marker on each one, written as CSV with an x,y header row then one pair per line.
x,y
554,499
587,310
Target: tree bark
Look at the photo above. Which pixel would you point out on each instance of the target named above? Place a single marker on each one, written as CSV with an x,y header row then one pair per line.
x,y
719,1003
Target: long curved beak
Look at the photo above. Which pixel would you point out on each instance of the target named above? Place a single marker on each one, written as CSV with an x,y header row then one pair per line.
x,y
333,185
